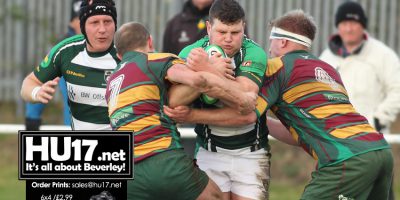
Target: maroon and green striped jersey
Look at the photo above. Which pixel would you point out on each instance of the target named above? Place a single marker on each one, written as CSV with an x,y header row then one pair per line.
x,y
136,93
308,96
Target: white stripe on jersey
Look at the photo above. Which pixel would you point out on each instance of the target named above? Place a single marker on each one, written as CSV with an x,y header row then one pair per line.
x,y
81,125
66,46
230,131
105,62
86,95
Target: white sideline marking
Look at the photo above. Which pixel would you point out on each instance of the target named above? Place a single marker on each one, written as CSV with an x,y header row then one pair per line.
x,y
393,138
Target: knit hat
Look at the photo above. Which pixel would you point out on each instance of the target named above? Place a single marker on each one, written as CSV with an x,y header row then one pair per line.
x,y
75,7
351,10
97,7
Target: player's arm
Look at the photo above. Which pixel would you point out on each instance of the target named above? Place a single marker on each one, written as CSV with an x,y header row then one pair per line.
x,y
188,87
250,74
199,60
225,116
222,89
280,132
228,117
221,77
245,84
39,86
33,90
180,94
212,85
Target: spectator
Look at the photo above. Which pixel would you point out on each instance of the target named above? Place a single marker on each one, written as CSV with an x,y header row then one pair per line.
x,y
370,70
187,26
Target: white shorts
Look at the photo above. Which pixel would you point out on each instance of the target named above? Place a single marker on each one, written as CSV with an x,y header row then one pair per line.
x,y
244,173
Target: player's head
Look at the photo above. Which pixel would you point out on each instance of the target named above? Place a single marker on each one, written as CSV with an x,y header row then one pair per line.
x,y
75,8
98,22
295,29
351,22
74,21
202,4
351,11
226,25
132,36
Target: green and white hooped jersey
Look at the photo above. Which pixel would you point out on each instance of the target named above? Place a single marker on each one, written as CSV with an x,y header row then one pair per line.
x,y
86,76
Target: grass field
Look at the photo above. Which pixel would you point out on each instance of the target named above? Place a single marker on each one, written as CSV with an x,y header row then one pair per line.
x,y
10,187
290,170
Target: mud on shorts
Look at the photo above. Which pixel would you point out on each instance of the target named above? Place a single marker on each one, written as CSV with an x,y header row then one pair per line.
x,y
365,176
241,171
168,175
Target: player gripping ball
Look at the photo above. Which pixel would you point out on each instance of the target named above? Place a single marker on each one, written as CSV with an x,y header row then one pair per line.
x,y
211,50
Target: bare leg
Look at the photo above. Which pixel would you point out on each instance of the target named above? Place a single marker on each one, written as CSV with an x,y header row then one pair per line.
x,y
226,195
211,192
238,197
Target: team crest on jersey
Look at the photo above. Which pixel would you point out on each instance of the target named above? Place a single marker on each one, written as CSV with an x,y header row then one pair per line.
x,y
246,63
323,77
107,75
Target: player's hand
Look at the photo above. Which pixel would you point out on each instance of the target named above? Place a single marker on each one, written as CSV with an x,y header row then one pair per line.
x,y
180,114
222,66
197,60
47,90
248,103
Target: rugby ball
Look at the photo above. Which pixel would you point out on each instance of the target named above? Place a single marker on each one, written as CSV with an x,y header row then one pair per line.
x,y
212,49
